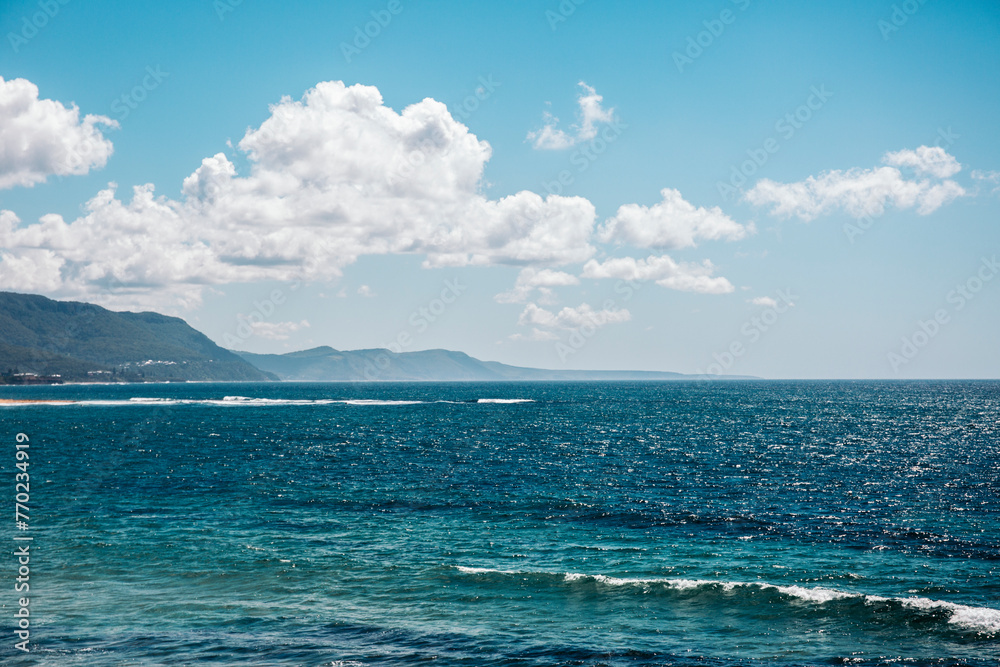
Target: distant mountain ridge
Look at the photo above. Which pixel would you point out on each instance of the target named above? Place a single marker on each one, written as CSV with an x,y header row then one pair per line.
x,y
81,341
42,340
325,364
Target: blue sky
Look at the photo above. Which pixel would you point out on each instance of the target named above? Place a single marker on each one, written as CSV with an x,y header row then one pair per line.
x,y
858,241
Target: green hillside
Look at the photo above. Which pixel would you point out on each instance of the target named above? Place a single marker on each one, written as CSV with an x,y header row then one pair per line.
x,y
46,337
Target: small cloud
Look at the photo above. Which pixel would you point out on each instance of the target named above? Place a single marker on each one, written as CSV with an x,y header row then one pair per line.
x,y
991,179
591,114
366,291
933,161
275,330
765,301
685,277
862,192
542,280
672,223
572,318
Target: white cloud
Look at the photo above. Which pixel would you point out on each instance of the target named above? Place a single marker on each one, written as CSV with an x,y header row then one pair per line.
x,y
530,279
572,318
328,182
930,160
590,115
765,301
863,192
990,178
366,291
276,330
41,137
686,277
672,223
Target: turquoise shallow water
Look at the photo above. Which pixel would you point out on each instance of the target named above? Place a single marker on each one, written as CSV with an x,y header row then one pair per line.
x,y
744,523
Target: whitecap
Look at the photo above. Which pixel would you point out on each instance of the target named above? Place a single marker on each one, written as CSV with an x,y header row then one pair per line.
x,y
976,619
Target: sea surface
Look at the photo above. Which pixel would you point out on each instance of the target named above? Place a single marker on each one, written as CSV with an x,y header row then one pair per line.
x,y
661,523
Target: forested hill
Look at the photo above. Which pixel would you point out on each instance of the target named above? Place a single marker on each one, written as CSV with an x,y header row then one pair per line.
x,y
81,341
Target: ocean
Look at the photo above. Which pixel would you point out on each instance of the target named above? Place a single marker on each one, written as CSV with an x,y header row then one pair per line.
x,y
662,523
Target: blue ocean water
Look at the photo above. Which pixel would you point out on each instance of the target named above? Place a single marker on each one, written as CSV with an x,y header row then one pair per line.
x,y
676,523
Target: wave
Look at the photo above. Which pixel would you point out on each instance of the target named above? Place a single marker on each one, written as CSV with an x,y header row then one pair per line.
x,y
979,620
232,401
372,401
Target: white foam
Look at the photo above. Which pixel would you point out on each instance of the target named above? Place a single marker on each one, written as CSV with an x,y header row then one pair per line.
x,y
978,619
485,570
371,401
227,401
245,400
234,401
34,403
972,618
818,594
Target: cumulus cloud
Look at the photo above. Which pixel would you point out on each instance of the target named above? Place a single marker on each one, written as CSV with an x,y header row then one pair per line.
x,y
572,318
333,176
863,192
41,137
672,223
685,277
765,301
591,114
530,279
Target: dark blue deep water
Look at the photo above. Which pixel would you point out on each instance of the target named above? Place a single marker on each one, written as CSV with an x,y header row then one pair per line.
x,y
742,523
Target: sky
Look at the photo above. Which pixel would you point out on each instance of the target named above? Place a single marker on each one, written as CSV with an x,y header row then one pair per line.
x,y
779,189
